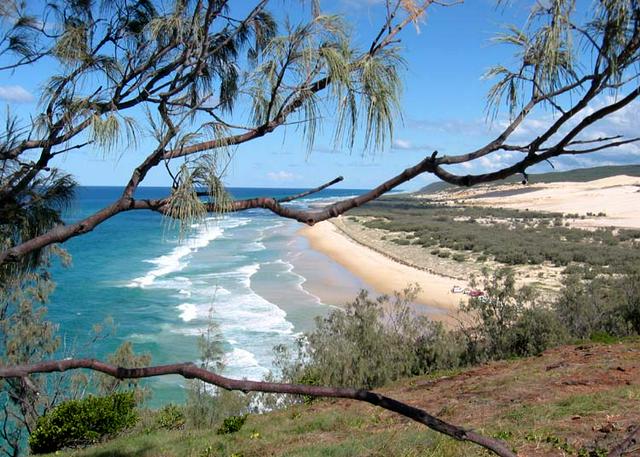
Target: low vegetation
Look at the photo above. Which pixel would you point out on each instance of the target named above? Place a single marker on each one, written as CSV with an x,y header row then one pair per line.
x,y
375,342
573,401
506,236
83,422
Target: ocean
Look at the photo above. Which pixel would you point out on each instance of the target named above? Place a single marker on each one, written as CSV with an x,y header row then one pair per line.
x,y
247,271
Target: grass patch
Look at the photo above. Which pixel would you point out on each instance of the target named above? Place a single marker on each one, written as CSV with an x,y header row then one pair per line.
x,y
508,236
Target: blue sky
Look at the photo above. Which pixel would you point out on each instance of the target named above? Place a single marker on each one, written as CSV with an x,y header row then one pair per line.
x,y
442,108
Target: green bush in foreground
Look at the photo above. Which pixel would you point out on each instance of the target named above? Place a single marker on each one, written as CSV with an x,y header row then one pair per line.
x,y
82,422
232,424
171,417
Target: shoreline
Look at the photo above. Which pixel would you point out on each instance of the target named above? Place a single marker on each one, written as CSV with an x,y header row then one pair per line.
x,y
383,273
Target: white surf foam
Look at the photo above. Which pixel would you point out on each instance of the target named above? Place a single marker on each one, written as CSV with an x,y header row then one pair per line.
x,y
255,246
240,358
240,362
189,311
300,280
175,261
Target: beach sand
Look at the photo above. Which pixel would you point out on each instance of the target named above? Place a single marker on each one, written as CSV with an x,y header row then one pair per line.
x,y
618,197
383,274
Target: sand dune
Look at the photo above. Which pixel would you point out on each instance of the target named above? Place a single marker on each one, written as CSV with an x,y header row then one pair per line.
x,y
618,197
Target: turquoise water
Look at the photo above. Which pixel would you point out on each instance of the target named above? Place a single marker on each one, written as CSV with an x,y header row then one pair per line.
x,y
246,270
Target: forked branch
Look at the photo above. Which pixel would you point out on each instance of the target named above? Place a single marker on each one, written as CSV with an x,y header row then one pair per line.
x,y
191,371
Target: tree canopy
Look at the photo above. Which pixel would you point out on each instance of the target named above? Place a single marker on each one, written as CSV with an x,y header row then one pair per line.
x,y
184,67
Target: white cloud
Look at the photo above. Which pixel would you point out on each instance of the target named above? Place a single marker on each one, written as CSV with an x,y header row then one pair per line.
x,y
281,176
402,144
407,145
623,122
15,94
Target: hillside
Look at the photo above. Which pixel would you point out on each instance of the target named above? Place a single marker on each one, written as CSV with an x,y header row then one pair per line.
x,y
578,175
571,401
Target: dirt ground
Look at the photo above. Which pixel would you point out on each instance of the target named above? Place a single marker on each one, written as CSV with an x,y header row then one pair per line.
x,y
574,400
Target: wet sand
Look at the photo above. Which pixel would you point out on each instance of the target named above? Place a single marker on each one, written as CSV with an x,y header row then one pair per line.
x,y
383,274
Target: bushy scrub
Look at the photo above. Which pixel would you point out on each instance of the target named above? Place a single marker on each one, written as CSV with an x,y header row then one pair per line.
x,y
586,307
371,342
374,341
82,422
231,424
508,236
510,321
629,289
536,330
600,306
207,406
513,321
125,356
171,417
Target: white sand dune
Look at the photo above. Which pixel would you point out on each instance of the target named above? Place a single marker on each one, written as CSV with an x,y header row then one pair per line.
x,y
618,197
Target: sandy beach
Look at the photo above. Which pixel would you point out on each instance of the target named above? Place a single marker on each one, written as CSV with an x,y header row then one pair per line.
x,y
363,253
382,273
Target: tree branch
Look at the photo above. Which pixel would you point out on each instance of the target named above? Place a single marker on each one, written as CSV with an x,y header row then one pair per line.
x,y
311,217
296,196
623,447
191,371
311,191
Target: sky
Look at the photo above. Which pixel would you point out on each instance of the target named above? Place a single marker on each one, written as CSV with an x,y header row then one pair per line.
x,y
443,108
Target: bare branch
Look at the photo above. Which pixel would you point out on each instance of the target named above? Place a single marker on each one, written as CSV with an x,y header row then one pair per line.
x,y
311,191
601,147
191,371
631,440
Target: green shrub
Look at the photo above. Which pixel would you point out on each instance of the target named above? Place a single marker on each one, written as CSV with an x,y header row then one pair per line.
x,y
82,422
207,407
459,257
603,337
232,424
588,307
528,237
509,321
309,379
371,342
170,417
125,356
629,288
536,330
